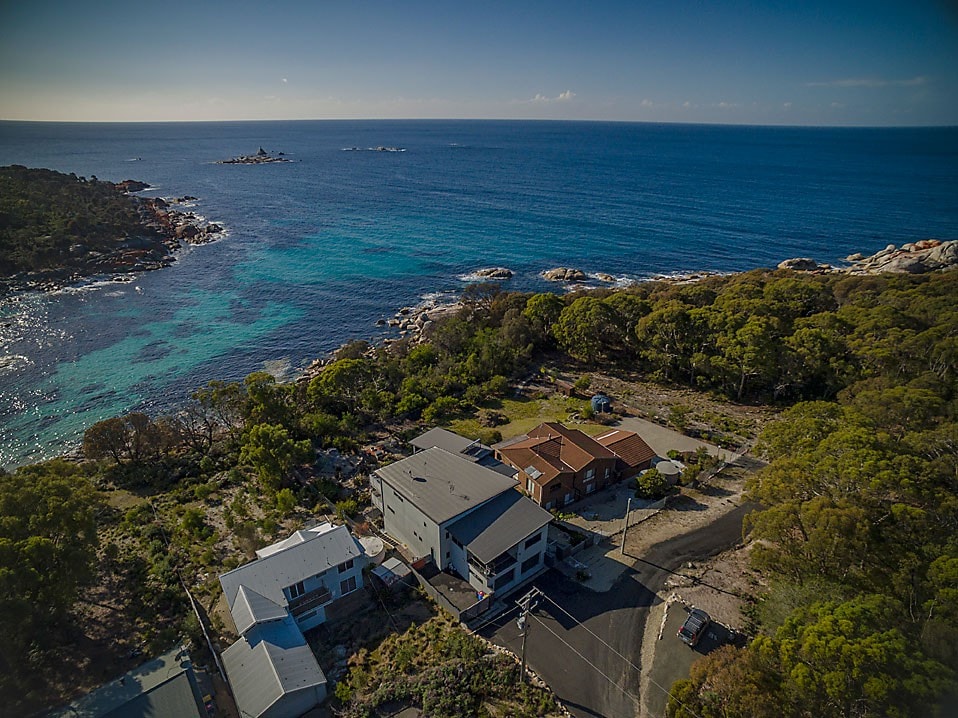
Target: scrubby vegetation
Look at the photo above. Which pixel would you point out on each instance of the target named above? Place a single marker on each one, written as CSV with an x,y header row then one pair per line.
x,y
43,213
443,671
857,536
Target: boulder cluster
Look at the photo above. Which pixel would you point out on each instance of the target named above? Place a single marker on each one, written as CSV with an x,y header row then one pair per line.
x,y
493,273
565,274
177,226
414,321
927,255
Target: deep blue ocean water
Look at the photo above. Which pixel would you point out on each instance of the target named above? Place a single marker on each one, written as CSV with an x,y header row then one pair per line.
x,y
320,248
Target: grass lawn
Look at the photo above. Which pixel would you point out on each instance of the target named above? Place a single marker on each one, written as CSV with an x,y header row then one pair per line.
x,y
525,414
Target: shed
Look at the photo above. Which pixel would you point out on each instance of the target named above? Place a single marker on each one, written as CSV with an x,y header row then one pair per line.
x,y
393,573
601,404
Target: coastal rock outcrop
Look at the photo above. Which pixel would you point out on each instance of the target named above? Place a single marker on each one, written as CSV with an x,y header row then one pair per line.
x,y
494,273
799,264
564,274
130,186
927,255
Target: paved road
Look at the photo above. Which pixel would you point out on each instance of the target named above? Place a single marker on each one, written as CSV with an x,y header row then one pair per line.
x,y
565,645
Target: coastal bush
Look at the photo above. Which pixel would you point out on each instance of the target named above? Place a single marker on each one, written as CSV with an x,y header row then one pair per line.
x,y
651,485
48,543
45,213
442,409
272,453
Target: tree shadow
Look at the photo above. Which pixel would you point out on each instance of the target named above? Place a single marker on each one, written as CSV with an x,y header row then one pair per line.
x,y
686,503
749,463
716,491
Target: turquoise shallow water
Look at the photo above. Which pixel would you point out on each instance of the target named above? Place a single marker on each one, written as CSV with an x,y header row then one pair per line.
x,y
320,248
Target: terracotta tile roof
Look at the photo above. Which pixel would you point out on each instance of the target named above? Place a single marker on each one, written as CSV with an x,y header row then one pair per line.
x,y
628,446
552,449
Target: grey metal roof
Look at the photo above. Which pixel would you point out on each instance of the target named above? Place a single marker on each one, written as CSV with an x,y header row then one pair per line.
x,y
499,524
443,485
444,439
270,575
251,608
471,449
268,665
161,688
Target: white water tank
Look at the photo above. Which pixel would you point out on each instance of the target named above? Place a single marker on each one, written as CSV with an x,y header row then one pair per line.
x,y
374,548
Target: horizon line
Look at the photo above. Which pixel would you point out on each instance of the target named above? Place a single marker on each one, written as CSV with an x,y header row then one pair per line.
x,y
481,119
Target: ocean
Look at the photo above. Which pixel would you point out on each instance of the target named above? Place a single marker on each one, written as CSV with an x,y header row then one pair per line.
x,y
320,248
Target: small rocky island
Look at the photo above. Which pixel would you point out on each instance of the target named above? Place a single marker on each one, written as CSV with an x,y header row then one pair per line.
x,y
262,157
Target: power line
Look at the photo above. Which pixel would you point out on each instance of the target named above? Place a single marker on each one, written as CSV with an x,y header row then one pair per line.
x,y
587,661
607,645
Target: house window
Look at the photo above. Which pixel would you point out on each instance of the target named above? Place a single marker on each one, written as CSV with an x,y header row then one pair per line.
x,y
529,487
505,578
534,540
343,567
608,471
297,590
590,474
530,563
348,585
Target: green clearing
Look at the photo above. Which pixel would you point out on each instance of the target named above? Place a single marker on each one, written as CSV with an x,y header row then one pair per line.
x,y
527,413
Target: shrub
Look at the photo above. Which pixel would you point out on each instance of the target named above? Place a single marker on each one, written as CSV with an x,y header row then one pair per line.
x,y
651,485
347,507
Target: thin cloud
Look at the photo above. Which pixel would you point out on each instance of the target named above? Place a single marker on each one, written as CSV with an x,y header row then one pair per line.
x,y
561,97
871,82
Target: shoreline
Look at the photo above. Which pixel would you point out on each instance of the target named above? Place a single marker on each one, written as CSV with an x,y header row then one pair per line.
x,y
167,228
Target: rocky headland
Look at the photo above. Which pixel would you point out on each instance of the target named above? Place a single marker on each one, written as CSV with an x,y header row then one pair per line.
x,y
166,228
927,255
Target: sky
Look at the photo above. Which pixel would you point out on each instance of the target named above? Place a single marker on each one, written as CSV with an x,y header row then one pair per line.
x,y
811,62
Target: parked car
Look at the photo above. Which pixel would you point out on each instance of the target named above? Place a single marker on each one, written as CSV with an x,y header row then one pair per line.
x,y
694,626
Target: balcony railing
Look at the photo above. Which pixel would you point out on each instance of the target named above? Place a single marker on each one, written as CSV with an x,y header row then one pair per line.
x,y
308,601
499,564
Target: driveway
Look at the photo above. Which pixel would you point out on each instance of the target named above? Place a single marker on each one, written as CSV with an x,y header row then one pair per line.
x,y
587,645
673,659
662,439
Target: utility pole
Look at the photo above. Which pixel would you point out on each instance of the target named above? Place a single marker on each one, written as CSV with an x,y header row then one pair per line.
x,y
625,526
527,603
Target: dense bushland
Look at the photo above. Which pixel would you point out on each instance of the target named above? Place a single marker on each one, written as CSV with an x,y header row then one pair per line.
x,y
860,494
43,213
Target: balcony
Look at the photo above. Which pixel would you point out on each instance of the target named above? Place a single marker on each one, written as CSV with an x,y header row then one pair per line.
x,y
309,601
488,572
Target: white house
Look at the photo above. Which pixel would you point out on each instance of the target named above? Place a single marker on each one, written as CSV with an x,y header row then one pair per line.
x,y
469,518
286,590
301,575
